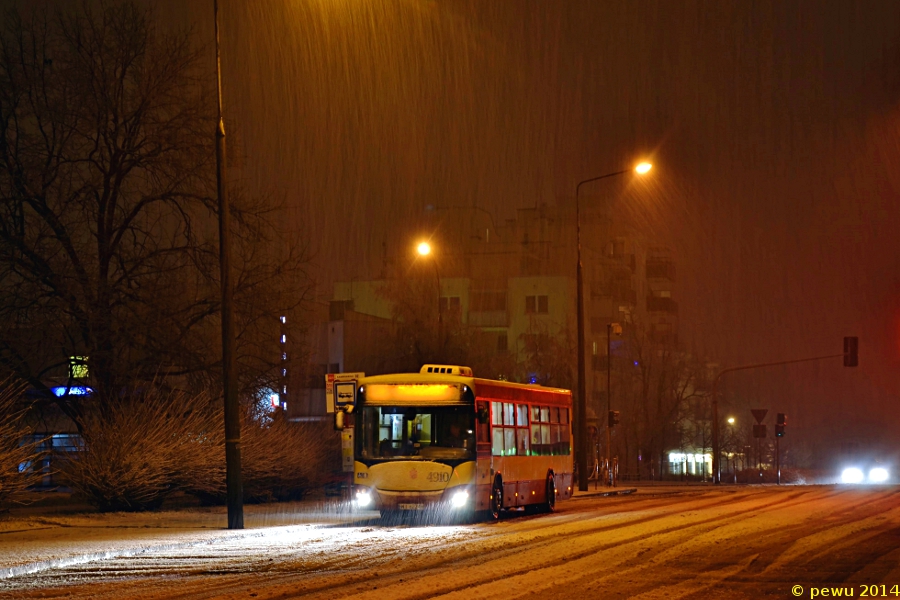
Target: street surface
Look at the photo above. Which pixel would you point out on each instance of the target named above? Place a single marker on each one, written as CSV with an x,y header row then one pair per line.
x,y
660,542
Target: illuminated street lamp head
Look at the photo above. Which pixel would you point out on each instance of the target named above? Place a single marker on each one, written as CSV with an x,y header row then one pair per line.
x,y
731,420
643,168
424,249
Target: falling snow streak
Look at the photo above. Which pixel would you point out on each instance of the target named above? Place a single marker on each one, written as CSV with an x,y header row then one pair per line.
x,y
774,128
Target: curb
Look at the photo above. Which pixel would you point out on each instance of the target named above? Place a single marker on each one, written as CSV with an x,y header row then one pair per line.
x,y
601,494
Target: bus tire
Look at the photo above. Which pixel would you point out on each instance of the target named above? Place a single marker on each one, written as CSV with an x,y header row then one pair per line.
x,y
496,503
550,504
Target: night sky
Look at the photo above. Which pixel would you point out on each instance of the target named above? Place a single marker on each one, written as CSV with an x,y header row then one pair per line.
x,y
774,128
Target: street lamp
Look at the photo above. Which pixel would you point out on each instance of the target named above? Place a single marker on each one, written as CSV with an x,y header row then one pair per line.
x,y
424,249
733,453
581,449
234,495
611,328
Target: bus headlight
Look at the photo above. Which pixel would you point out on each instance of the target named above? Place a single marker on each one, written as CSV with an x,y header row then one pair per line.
x,y
459,499
363,498
851,475
878,475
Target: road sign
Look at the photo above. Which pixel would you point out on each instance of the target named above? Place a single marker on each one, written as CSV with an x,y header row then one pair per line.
x,y
759,431
347,450
340,390
759,414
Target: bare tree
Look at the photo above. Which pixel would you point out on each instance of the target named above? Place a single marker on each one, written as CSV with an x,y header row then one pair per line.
x,y
107,241
20,454
550,355
657,384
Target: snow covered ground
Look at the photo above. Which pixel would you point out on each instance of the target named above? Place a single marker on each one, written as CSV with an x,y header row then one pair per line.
x,y
700,542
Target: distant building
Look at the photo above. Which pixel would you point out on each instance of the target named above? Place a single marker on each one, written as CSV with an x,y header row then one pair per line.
x,y
339,340
515,283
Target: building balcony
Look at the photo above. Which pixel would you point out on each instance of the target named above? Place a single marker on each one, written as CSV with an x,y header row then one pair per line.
x,y
660,269
489,318
666,305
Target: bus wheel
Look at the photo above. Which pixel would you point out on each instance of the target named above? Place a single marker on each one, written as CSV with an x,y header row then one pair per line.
x,y
496,499
550,505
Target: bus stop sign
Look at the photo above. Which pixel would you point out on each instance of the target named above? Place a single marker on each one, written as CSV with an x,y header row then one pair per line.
x,y
340,390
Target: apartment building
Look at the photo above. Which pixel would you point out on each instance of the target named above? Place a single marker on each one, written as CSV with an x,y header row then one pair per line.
x,y
514,282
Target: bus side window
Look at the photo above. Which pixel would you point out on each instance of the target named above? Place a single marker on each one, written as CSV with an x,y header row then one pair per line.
x,y
509,441
536,446
496,413
497,446
522,441
556,447
483,427
521,415
509,414
546,440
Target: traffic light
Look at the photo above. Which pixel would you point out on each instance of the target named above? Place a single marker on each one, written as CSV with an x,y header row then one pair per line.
x,y
780,422
851,348
613,418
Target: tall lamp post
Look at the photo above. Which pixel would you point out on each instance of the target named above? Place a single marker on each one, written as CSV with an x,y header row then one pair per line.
x,y
733,453
233,482
424,249
611,328
581,445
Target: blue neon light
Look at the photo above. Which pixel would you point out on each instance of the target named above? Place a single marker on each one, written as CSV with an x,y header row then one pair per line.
x,y
76,390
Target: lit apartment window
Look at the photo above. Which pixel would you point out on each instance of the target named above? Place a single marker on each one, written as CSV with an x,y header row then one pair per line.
x,y
78,367
537,305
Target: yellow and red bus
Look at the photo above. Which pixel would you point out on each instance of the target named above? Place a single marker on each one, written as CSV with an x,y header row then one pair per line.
x,y
444,440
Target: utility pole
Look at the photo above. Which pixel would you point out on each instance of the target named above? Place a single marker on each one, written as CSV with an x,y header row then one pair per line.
x,y
850,356
233,482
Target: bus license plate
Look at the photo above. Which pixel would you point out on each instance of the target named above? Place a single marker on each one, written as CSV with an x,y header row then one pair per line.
x,y
411,506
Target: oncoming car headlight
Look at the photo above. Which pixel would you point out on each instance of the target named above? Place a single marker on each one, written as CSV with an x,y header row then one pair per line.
x,y
878,475
459,499
852,475
363,498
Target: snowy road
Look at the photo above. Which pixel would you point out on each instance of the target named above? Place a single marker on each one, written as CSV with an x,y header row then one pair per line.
x,y
732,542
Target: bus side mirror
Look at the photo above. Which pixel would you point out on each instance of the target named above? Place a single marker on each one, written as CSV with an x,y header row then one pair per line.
x,y
482,412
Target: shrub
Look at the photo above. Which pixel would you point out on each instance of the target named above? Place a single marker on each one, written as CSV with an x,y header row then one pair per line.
x,y
283,460
137,452
19,449
279,460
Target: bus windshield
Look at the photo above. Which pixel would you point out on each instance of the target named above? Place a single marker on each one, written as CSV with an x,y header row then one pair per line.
x,y
423,432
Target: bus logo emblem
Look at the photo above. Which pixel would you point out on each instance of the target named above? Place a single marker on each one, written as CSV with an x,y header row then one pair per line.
x,y
413,474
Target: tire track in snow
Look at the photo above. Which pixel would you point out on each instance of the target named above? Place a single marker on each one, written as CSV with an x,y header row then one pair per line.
x,y
566,535
488,563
